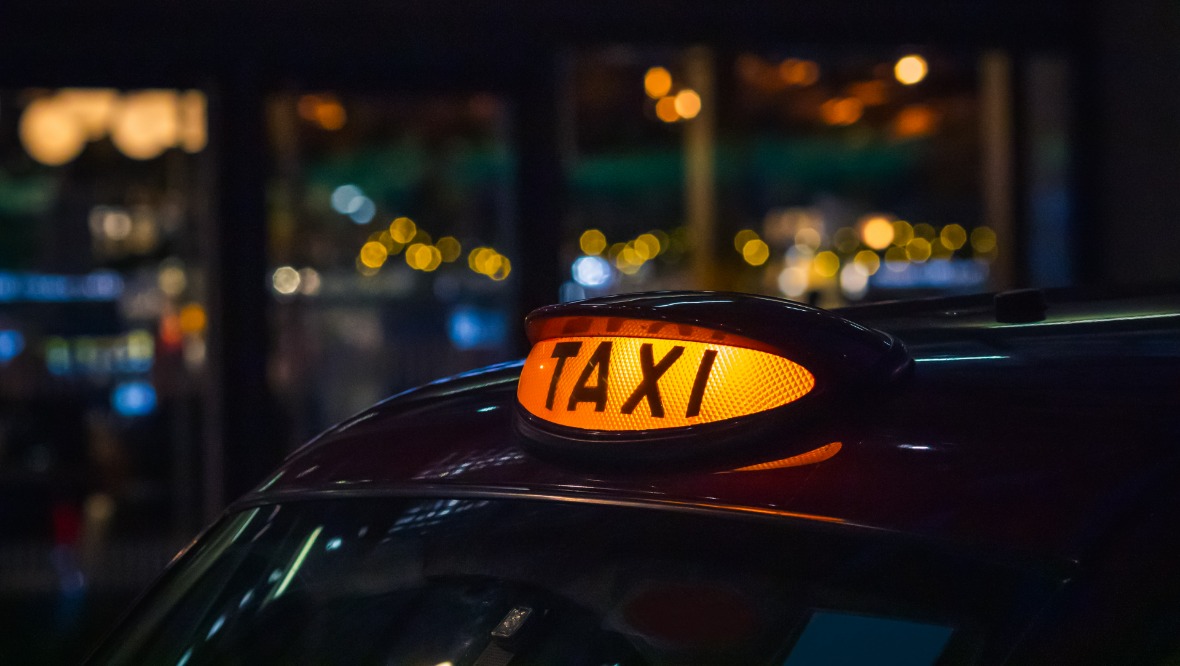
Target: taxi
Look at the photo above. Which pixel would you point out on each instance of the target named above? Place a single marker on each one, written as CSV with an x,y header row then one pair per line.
x,y
718,478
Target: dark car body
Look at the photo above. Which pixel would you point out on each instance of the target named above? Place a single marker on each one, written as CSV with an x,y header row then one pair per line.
x,y
1012,499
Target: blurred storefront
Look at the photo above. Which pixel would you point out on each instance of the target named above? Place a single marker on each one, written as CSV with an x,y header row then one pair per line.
x,y
216,242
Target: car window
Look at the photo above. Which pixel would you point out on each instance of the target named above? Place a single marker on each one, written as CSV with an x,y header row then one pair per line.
x,y
479,581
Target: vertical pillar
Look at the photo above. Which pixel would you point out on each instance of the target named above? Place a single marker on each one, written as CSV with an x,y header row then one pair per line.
x,y
996,132
700,182
240,445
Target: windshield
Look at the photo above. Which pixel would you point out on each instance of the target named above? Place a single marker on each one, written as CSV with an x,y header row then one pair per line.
x,y
476,582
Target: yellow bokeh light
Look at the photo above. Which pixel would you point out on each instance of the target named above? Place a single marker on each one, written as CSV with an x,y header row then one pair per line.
x,y
756,252
373,254
867,262
629,255
50,134
842,111
877,232
403,229
502,269
918,250
910,69
449,248
666,110
647,246
657,82
923,230
423,257
983,240
146,123
688,103
826,264
592,242
903,232
193,318
742,237
953,236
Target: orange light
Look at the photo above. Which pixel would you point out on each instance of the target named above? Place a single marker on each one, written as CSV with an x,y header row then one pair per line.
x,y
632,383
810,458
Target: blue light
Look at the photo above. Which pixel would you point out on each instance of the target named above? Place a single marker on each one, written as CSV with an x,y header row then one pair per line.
x,y
477,328
134,398
58,288
334,544
591,271
346,199
10,287
365,210
12,343
963,274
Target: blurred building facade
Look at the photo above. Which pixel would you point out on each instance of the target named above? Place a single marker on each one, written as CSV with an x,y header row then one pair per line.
x,y
225,228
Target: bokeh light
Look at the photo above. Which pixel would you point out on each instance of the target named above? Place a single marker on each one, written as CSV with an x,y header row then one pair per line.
x,y
877,232
50,134
867,262
449,248
953,236
918,250
591,271
903,232
592,242
826,264
403,230
285,280
657,82
841,111
688,104
666,110
756,252
146,124
910,69
983,240
373,254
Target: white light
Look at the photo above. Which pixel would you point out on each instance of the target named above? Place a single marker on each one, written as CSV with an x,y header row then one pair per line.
x,y
309,281
853,281
793,281
591,271
347,199
286,280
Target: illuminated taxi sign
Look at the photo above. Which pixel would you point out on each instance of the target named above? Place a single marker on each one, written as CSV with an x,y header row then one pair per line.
x,y
680,376
633,383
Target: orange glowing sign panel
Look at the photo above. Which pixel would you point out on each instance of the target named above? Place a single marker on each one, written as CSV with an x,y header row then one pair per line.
x,y
626,383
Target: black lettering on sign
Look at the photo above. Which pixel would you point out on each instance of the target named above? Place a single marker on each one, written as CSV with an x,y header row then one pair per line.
x,y
596,394
561,351
649,386
698,384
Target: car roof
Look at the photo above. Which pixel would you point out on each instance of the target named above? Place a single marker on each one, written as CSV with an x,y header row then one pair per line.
x,y
1030,439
